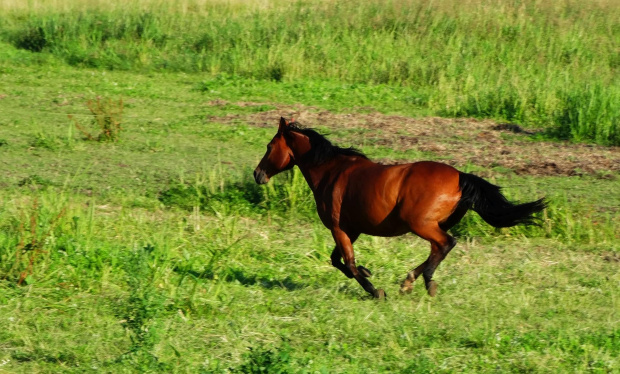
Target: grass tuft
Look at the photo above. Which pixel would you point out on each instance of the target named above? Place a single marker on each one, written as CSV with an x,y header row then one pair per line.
x,y
107,117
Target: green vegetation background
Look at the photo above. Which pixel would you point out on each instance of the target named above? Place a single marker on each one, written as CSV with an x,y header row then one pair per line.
x,y
552,65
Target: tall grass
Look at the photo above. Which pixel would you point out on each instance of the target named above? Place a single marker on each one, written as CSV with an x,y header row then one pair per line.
x,y
288,196
553,65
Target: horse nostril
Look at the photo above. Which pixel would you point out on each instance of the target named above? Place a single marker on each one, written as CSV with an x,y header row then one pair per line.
x,y
260,176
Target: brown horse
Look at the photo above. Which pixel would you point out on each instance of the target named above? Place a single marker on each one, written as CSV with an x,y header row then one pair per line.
x,y
357,196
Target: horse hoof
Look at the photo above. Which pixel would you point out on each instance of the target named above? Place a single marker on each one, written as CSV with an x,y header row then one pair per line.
x,y
431,287
405,290
379,294
365,272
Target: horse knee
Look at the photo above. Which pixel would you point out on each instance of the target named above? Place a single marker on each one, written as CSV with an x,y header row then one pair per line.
x,y
335,257
446,248
351,267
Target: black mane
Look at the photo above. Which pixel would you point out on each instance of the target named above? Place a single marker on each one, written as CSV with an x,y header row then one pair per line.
x,y
322,150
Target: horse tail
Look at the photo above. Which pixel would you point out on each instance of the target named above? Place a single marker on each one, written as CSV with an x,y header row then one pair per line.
x,y
487,200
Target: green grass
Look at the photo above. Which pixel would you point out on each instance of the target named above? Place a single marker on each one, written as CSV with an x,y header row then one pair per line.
x,y
158,253
549,66
129,289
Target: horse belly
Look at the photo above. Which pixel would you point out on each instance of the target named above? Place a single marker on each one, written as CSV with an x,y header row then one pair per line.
x,y
388,227
374,217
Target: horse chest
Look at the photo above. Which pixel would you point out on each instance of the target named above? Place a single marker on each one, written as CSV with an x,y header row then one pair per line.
x,y
328,205
325,211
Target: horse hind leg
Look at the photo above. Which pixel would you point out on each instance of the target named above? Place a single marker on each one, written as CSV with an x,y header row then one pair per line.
x,y
455,217
438,253
441,244
407,285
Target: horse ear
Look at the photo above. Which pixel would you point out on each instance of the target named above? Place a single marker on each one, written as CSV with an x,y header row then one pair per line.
x,y
283,124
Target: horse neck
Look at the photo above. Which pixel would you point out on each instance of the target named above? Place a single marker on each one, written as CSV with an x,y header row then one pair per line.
x,y
314,174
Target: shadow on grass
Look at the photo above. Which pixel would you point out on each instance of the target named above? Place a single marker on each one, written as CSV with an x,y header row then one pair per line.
x,y
239,276
47,356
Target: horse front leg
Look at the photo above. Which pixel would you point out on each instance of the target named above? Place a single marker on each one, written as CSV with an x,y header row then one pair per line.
x,y
336,258
337,263
344,245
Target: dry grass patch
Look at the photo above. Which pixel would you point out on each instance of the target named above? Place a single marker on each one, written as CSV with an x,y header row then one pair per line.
x,y
458,141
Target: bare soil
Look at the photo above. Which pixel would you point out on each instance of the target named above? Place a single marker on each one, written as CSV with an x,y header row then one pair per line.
x,y
456,141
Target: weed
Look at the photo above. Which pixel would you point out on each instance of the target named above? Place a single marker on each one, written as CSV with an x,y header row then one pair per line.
x,y
107,116
33,247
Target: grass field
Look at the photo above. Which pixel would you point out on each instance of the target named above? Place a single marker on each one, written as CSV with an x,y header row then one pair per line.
x,y
552,66
158,253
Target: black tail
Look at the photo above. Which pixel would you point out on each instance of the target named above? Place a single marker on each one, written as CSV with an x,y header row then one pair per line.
x,y
487,200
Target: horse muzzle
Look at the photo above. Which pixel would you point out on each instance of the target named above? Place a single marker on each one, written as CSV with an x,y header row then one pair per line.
x,y
260,176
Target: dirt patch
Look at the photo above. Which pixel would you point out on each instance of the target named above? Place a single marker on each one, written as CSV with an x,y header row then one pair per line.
x,y
456,141
612,257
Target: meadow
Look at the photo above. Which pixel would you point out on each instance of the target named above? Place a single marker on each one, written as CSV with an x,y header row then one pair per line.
x,y
153,250
553,66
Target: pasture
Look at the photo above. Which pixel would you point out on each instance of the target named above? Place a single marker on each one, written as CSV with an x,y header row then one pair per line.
x,y
157,252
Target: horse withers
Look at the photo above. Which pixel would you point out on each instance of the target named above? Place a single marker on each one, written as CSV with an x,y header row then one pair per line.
x,y
356,196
